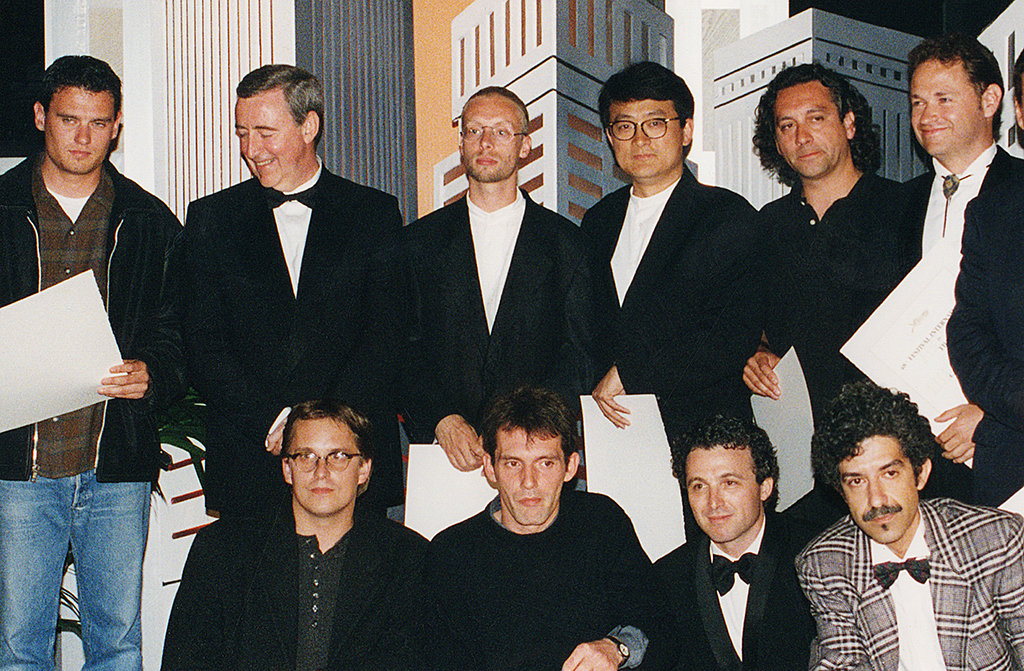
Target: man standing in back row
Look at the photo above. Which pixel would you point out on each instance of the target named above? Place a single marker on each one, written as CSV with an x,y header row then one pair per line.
x,y
675,262
84,476
956,94
500,292
281,280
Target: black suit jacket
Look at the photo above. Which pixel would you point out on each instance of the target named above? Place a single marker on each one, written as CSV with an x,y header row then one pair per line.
x,y
986,336
691,316
237,608
542,331
778,627
254,347
987,481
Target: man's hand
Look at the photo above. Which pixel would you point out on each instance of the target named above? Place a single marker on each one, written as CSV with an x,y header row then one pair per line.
x,y
957,439
605,392
274,441
133,384
600,655
460,442
759,374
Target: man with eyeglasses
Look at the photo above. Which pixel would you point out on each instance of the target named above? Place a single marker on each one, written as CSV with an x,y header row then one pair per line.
x,y
675,262
321,585
498,290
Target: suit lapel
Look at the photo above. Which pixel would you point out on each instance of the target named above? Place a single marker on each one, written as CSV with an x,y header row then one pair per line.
x,y
275,585
669,234
460,282
757,596
876,616
360,578
711,610
951,593
530,265
260,249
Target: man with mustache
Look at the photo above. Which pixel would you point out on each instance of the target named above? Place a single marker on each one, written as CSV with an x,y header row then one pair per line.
x,y
902,583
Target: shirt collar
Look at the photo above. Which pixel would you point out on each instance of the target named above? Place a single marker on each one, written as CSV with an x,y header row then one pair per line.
x,y
509,209
983,161
311,181
754,547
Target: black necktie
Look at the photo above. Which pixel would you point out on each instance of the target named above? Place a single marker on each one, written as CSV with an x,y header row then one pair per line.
x,y
275,198
724,571
887,572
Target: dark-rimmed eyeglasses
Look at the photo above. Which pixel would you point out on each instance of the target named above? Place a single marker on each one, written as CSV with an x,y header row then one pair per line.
x,y
652,128
306,462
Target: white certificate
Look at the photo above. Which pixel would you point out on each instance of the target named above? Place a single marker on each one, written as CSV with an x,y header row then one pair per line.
x,y
57,346
634,467
902,345
438,495
789,424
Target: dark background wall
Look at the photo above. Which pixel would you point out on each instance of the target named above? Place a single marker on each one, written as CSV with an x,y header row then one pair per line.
x,y
918,17
21,66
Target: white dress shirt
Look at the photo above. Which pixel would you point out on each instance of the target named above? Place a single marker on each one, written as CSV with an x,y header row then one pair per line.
x,y
915,614
494,240
292,220
734,602
942,222
642,215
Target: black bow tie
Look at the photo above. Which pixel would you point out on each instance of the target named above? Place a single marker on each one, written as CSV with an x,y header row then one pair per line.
x,y
276,199
887,572
724,571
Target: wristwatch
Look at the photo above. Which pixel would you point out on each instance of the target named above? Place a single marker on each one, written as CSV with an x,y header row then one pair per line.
x,y
622,648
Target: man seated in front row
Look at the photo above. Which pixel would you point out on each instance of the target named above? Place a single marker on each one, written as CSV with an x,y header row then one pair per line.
x,y
321,586
902,583
544,577
734,591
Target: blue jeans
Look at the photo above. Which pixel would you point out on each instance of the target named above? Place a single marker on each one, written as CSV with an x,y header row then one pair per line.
x,y
106,523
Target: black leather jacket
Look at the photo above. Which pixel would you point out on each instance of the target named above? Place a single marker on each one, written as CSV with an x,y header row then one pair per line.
x,y
141,232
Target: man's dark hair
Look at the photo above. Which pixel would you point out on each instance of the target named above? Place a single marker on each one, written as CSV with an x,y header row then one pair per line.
x,y
731,433
83,72
302,90
865,145
980,64
524,115
863,410
646,81
539,412
1018,76
327,408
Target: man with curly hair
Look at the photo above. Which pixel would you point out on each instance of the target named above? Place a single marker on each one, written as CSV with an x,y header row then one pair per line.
x,y
836,243
733,587
903,583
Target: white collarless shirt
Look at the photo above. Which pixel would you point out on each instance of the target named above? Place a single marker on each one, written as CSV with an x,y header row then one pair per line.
x,y
942,222
292,219
642,215
734,602
494,241
915,614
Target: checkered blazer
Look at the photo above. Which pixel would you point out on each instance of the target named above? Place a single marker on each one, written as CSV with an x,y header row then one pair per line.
x,y
977,586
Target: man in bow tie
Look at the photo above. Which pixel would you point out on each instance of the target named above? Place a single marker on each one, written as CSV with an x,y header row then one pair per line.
x,y
283,284
733,590
903,583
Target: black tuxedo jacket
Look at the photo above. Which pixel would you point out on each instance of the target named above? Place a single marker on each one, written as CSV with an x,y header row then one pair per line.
x,y
237,608
542,331
253,346
778,627
986,336
691,316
